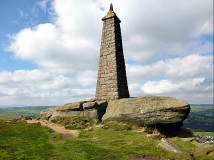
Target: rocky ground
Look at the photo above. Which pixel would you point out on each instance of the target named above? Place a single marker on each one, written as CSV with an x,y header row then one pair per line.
x,y
205,139
157,111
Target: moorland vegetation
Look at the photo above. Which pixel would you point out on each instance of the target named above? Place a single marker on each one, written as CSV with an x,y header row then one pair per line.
x,y
97,140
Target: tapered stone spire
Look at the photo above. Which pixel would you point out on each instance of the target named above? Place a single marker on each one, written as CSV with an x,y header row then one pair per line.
x,y
111,7
112,80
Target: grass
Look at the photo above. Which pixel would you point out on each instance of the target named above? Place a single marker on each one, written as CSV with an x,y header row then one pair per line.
x,y
24,141
204,133
19,140
184,144
114,141
75,122
32,141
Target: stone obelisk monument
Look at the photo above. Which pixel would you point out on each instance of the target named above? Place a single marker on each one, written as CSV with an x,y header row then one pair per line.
x,y
111,81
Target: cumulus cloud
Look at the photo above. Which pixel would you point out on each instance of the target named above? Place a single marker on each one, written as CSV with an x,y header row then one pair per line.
x,y
87,78
167,49
135,89
167,86
55,51
193,90
164,28
76,30
190,77
41,87
187,67
68,45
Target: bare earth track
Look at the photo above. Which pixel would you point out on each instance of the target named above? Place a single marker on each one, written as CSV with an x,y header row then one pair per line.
x,y
57,128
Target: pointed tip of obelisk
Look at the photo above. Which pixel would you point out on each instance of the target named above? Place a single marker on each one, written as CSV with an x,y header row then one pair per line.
x,y
111,7
110,14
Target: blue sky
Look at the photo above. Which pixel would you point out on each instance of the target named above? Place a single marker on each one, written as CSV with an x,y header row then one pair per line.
x,y
49,49
15,16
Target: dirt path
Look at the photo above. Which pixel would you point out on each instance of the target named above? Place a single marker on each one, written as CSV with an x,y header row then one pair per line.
x,y
57,128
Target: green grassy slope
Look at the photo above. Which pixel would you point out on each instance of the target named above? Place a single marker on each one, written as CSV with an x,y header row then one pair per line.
x,y
24,141
33,141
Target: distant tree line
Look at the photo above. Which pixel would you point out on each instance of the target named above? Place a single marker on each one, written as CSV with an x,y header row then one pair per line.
x,y
200,118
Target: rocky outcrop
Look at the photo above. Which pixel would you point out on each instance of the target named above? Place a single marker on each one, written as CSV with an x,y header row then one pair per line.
x,y
155,111
67,110
148,111
47,113
89,108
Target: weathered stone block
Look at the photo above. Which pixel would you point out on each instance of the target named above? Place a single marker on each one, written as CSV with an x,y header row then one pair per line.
x,y
76,106
89,105
148,110
47,113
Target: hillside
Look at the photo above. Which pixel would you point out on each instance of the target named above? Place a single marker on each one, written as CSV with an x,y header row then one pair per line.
x,y
15,112
96,141
200,118
20,140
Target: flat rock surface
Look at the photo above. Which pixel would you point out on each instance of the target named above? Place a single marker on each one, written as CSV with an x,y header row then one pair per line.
x,y
70,107
148,110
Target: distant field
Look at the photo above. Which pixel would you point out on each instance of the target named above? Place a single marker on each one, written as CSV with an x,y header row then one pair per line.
x,y
204,133
201,118
15,112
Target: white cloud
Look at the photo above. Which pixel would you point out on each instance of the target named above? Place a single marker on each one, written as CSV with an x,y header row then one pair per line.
x,y
166,42
187,67
69,45
87,78
135,89
194,90
34,87
167,86
146,38
164,28
207,27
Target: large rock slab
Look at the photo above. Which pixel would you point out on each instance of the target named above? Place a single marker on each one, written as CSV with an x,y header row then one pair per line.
x,y
89,105
67,110
94,109
90,109
148,110
75,106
